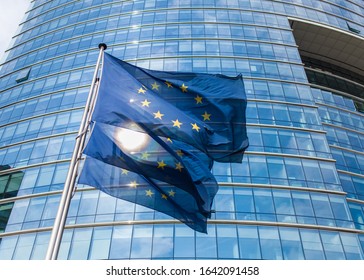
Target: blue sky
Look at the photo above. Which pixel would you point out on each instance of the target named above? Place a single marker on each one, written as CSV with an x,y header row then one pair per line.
x,y
12,12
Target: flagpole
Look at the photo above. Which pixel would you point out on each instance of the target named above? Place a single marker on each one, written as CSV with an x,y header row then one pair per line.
x,y
60,220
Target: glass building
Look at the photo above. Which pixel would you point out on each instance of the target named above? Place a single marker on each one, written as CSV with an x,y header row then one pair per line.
x,y
299,193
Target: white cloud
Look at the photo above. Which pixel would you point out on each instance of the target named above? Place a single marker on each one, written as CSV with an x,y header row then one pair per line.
x,y
12,12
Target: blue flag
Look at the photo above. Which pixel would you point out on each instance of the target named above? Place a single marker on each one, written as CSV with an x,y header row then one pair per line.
x,y
202,110
156,134
159,173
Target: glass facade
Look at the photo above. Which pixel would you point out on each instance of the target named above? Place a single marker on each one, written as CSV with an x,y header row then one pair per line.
x,y
299,193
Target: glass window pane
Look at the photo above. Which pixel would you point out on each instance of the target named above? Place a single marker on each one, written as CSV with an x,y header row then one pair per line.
x,y
24,247
121,242
291,244
88,203
141,246
312,171
351,246
332,245
302,204
7,247
321,205
40,246
263,201
312,246
276,168
270,243
339,207
249,245
100,243
184,243
283,202
80,244
244,200
163,241
227,242
206,246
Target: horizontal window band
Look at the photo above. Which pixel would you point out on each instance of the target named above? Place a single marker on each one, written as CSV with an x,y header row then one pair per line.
x,y
325,25
42,95
346,149
334,75
51,9
42,115
141,26
289,156
110,16
221,184
39,139
161,57
145,11
286,127
30,196
282,187
350,173
342,127
247,58
129,43
31,81
189,9
348,95
320,104
283,102
355,200
16,169
172,222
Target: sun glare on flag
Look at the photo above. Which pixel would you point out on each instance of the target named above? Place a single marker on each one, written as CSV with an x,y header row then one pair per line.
x,y
131,140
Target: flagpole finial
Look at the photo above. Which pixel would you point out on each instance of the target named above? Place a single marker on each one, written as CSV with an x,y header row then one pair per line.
x,y
102,46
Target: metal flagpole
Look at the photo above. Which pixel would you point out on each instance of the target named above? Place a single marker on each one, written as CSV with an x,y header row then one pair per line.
x,y
60,221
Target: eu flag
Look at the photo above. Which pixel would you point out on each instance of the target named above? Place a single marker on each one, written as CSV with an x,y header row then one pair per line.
x,y
155,135
205,111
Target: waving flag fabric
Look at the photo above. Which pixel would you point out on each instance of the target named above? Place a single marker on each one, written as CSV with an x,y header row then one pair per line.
x,y
156,134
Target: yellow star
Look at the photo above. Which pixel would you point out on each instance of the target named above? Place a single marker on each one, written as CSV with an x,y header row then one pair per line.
x,y
195,127
141,91
158,115
155,86
171,193
184,88
133,184
145,155
164,196
198,99
169,85
179,166
161,164
149,193
206,116
180,153
145,103
177,123
124,172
